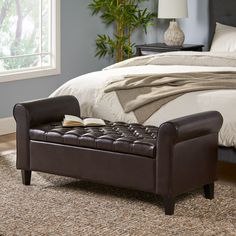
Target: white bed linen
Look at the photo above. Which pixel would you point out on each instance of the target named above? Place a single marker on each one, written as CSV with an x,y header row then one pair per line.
x,y
224,39
88,89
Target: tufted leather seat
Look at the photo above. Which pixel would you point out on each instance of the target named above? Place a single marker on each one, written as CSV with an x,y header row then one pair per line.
x,y
170,160
117,137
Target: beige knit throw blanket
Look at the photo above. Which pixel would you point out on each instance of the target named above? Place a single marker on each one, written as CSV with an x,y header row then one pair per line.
x,y
216,59
145,94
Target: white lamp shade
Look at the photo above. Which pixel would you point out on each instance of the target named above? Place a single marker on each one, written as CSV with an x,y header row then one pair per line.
x,y
172,9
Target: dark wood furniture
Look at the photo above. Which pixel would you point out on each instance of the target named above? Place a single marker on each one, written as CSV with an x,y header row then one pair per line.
x,y
153,48
175,158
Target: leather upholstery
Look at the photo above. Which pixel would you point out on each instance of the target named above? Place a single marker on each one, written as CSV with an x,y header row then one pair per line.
x,y
28,114
195,137
113,168
192,126
177,157
117,137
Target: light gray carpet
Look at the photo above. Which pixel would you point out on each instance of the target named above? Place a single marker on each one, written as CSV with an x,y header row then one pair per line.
x,y
55,205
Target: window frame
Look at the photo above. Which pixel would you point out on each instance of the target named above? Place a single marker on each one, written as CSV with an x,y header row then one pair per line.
x,y
55,68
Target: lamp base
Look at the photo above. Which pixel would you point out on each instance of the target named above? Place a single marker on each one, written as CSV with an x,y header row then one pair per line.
x,y
174,36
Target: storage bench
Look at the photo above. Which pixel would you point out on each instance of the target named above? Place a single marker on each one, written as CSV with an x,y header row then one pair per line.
x,y
175,158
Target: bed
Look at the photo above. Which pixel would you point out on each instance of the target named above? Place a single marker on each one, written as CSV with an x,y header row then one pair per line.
x,y
89,88
226,14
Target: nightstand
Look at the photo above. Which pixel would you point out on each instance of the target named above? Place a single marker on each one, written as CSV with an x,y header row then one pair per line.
x,y
146,49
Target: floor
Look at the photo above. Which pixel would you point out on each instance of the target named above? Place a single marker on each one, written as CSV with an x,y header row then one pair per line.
x,y
226,171
7,142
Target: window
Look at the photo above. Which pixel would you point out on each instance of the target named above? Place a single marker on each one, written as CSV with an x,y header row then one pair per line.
x,y
29,39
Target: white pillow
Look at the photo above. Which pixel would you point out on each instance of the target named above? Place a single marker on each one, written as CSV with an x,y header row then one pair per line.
x,y
224,39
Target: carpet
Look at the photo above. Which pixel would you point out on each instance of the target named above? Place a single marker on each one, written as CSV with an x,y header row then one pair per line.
x,y
55,205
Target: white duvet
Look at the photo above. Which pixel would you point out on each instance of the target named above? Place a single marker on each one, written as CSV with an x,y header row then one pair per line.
x,y
89,89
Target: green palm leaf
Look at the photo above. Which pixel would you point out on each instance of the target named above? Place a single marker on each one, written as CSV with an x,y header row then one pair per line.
x,y
126,16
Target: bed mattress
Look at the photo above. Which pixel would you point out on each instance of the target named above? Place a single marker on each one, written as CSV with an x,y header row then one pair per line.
x,y
89,90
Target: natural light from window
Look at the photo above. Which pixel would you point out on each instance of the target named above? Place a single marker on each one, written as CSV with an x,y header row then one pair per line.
x,y
29,39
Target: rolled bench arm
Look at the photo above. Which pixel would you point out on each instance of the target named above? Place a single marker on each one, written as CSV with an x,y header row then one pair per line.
x,y
192,126
33,113
45,110
187,150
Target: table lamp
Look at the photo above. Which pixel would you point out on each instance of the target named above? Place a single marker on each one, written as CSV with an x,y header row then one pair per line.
x,y
173,9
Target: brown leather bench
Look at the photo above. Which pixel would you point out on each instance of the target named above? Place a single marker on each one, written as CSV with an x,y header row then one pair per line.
x,y
177,157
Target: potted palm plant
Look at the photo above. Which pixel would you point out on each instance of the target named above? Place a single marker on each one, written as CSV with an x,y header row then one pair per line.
x,y
127,16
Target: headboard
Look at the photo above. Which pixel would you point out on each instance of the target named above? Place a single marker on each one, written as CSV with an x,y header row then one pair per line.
x,y
222,11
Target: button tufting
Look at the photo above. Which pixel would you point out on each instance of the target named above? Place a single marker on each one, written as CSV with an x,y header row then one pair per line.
x,y
121,137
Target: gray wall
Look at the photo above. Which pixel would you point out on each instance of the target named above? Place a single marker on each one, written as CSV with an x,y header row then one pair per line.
x,y
196,25
78,31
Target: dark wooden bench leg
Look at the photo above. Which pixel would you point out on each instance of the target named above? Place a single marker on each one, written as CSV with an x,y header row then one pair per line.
x,y
169,205
209,191
26,177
